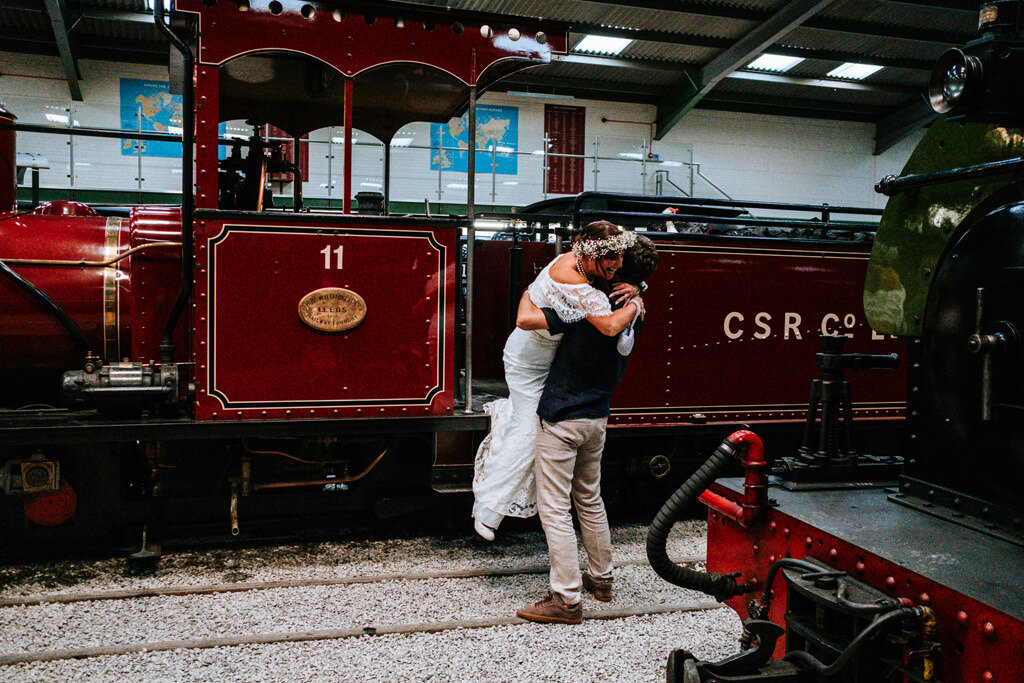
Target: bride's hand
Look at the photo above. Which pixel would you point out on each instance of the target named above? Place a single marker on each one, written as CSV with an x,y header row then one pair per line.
x,y
623,292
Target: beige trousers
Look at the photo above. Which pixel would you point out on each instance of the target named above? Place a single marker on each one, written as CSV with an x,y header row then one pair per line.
x,y
568,466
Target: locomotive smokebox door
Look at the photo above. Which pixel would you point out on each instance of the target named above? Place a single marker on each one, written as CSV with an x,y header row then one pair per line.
x,y
304,321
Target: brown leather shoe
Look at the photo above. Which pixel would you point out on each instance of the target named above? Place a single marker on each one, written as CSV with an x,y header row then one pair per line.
x,y
601,588
552,610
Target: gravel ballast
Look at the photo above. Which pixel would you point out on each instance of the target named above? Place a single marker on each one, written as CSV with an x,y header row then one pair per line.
x,y
632,648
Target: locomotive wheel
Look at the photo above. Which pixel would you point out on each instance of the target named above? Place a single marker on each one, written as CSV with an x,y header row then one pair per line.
x,y
52,507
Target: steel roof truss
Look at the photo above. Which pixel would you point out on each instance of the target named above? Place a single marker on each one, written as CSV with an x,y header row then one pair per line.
x,y
677,103
57,11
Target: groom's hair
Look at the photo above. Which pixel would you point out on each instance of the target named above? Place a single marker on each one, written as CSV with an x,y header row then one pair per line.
x,y
639,261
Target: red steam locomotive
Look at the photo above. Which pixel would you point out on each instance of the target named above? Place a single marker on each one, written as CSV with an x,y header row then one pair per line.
x,y
160,363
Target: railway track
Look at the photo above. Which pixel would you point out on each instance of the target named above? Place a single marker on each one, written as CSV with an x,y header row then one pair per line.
x,y
371,613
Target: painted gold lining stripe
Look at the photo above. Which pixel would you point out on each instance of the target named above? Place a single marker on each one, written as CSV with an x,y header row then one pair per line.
x,y
111,328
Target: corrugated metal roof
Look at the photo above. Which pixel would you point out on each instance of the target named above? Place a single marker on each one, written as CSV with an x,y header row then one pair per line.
x,y
908,37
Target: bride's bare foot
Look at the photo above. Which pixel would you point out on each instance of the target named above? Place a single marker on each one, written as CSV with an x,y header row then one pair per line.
x,y
485,532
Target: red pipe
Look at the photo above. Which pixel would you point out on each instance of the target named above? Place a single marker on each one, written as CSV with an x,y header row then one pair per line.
x,y
755,483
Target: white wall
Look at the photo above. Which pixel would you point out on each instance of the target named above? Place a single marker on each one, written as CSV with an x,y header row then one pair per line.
x,y
748,156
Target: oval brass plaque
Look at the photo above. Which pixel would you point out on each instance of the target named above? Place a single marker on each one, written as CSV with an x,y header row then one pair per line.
x,y
332,309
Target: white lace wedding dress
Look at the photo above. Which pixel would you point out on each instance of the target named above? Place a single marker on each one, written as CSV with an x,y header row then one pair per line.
x,y
503,481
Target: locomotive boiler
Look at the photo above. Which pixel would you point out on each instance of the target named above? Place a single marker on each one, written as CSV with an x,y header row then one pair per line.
x,y
245,361
917,580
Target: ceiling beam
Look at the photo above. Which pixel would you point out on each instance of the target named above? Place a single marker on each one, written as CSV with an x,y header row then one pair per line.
x,y
537,81
811,109
822,23
136,51
966,6
890,32
621,63
837,56
57,11
675,105
783,79
898,125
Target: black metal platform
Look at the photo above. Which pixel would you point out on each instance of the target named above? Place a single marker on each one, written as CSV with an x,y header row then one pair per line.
x,y
970,562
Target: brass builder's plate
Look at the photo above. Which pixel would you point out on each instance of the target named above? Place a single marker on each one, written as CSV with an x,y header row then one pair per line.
x,y
332,309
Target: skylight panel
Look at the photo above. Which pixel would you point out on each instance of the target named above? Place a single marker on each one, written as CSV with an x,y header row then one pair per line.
x,y
854,71
777,63
602,45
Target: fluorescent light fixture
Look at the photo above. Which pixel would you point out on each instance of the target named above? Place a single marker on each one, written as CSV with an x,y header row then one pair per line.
x,y
149,5
853,71
673,164
488,224
778,63
401,142
602,45
374,185
510,182
458,186
631,155
57,118
504,150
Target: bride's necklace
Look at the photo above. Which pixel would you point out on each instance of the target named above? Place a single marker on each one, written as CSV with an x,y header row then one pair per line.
x,y
579,267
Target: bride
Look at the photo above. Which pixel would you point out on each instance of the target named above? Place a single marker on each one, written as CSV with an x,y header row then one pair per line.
x,y
503,479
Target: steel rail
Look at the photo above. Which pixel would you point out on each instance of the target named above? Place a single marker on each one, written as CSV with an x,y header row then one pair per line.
x,y
240,587
335,634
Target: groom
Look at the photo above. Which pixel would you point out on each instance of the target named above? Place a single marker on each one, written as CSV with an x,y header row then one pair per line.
x,y
573,410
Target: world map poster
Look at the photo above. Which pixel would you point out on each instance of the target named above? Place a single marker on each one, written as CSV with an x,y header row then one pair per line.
x,y
497,140
161,113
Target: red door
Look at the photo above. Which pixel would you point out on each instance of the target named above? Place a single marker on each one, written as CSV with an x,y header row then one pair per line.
x,y
565,128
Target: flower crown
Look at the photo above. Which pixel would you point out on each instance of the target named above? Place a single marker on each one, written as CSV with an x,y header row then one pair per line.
x,y
609,245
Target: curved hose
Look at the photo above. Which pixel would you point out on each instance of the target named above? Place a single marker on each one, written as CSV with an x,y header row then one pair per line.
x,y
720,586
50,305
855,645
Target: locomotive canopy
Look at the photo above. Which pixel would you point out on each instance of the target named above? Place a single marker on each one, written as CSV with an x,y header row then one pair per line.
x,y
248,353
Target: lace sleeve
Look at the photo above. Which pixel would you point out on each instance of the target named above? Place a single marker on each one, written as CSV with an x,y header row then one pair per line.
x,y
594,302
572,303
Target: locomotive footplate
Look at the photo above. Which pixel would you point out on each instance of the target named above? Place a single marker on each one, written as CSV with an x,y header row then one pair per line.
x,y
970,580
66,427
960,559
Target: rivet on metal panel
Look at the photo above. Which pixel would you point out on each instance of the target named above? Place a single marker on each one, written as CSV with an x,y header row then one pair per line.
x,y
962,617
989,629
785,532
890,581
861,566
